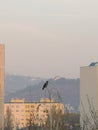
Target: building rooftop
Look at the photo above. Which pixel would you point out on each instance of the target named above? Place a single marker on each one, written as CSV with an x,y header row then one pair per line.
x,y
19,101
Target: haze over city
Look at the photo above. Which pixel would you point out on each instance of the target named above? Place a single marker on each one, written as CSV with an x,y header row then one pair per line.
x,y
45,38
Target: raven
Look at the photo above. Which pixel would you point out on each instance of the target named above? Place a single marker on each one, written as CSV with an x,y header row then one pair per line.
x,y
93,63
45,85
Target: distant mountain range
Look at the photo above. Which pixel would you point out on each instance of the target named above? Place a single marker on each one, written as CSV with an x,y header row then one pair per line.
x,y
30,89
14,83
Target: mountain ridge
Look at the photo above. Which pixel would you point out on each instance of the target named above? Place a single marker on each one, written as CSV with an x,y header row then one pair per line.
x,y
31,90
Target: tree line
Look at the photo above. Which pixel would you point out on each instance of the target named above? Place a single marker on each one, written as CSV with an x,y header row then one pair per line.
x,y
56,120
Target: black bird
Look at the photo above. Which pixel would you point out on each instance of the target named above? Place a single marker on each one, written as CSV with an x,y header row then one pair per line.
x,y
93,63
45,85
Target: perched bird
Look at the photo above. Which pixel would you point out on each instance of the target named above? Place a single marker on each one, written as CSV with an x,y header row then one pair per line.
x,y
93,64
45,85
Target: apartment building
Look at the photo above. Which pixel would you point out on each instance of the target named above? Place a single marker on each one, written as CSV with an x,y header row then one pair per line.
x,y
23,112
1,87
88,89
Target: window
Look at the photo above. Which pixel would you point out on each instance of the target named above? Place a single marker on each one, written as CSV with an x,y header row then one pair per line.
x,y
17,106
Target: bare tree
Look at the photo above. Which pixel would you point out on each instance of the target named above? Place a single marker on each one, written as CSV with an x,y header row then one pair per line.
x,y
57,119
89,120
8,120
31,121
72,120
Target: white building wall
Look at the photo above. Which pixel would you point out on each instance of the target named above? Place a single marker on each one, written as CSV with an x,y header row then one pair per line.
x,y
1,87
88,88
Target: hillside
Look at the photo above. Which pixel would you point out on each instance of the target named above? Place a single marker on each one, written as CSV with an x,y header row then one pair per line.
x,y
31,90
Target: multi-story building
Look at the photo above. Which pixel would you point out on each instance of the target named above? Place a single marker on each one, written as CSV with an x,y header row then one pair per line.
x,y
17,109
1,87
88,88
24,113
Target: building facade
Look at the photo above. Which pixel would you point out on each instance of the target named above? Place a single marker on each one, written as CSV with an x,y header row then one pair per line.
x,y
24,113
88,89
1,87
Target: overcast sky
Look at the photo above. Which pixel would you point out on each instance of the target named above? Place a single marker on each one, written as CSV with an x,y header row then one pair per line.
x,y
45,38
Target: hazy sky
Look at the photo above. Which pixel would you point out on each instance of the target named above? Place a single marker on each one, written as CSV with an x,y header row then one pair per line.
x,y
45,38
